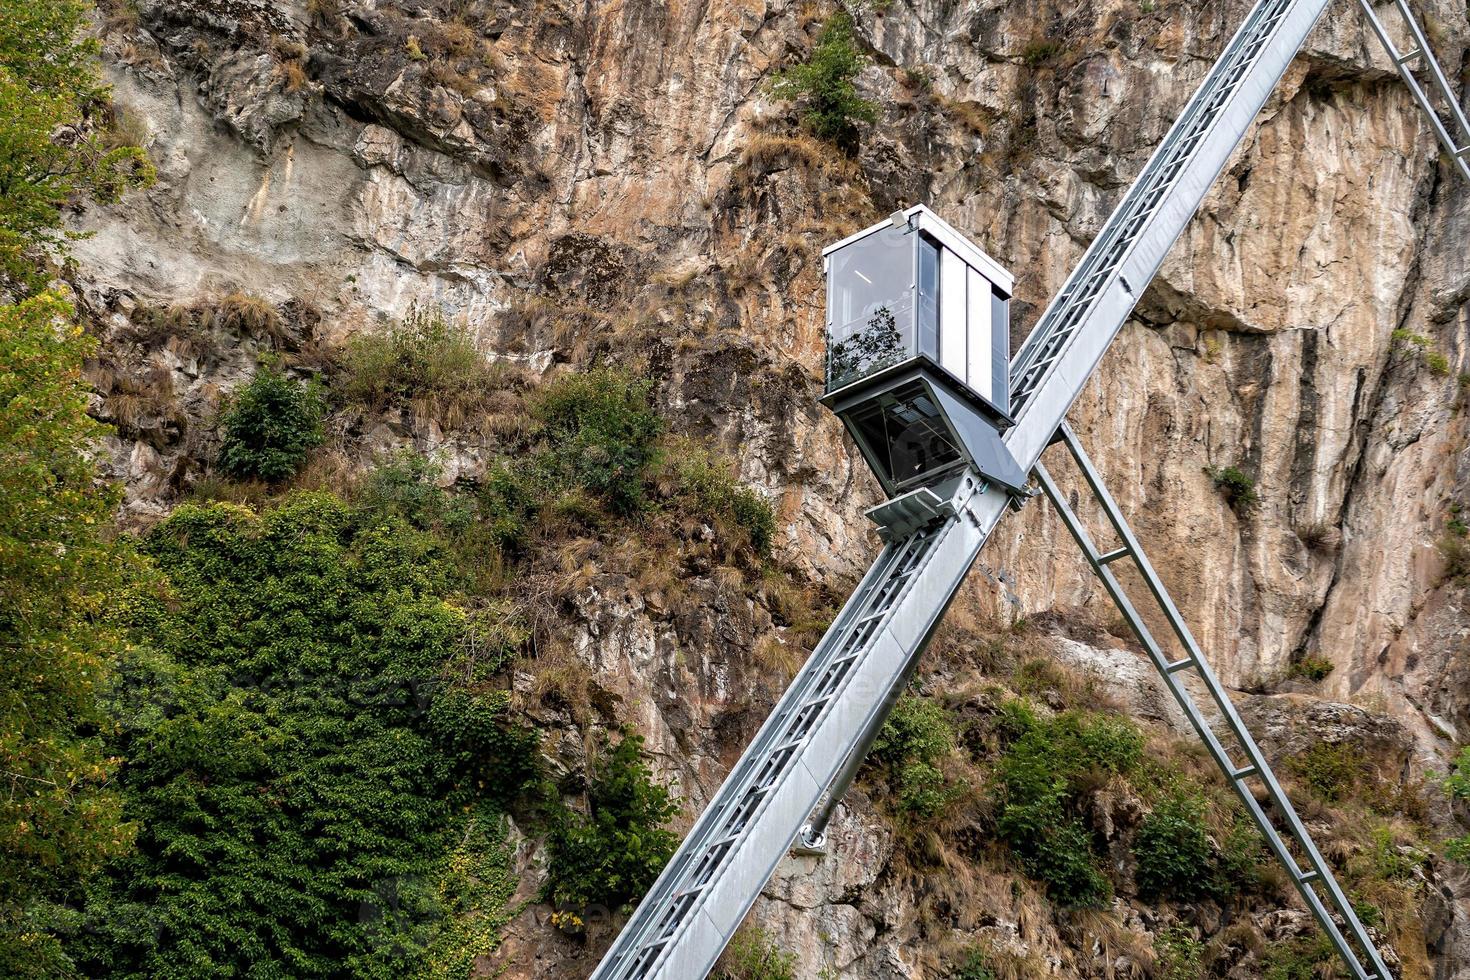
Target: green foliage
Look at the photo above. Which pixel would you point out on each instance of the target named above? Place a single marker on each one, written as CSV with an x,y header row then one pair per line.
x,y
55,145
1302,958
1040,51
425,360
610,854
270,425
974,964
1041,776
1424,349
1173,850
753,955
1457,786
300,764
1180,955
59,569
407,486
714,492
601,433
824,84
1334,772
911,745
1312,668
1238,486
1456,552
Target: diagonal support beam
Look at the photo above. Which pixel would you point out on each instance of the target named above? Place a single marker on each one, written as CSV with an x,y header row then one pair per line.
x,y
1330,906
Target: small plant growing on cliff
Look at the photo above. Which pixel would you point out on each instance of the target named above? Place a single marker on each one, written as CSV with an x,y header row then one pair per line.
x,y
1180,954
1312,668
1420,345
1237,485
1173,849
824,84
974,964
270,425
754,955
912,744
610,854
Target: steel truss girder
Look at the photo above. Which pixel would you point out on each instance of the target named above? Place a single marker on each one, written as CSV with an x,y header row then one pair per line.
x,y
1455,137
1335,906
841,694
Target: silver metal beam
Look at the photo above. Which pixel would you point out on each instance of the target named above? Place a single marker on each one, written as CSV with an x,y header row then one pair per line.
x,y
1455,137
1068,342
840,695
1336,907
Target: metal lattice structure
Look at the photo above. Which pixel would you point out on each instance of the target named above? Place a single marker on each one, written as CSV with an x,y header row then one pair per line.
x,y
1454,135
786,785
1292,845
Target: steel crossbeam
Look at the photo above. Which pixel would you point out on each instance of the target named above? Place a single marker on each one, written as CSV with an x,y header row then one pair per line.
x,y
1454,136
1332,912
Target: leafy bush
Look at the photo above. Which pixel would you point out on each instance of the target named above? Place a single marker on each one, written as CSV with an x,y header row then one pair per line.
x,y
1333,772
1238,486
1181,956
974,964
425,361
716,493
1302,958
913,741
1312,668
269,427
611,854
753,955
824,85
299,767
601,433
406,486
60,572
1173,850
1040,780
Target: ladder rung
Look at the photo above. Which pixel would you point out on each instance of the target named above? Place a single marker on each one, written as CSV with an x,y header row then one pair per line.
x,y
1113,556
1179,665
1243,772
1463,151
1307,877
1404,59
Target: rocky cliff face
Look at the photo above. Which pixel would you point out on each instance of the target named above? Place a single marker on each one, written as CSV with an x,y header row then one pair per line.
x,y
610,180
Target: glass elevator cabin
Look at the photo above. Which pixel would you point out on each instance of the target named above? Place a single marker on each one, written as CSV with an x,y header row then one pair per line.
x,y
918,350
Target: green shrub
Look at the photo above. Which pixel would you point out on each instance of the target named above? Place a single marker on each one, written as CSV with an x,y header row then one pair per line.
x,y
299,767
610,855
1302,958
601,434
1333,772
1456,552
1173,850
1312,668
1424,348
824,84
406,486
913,741
716,495
270,425
1180,955
1040,780
1238,486
974,964
1040,51
425,361
753,955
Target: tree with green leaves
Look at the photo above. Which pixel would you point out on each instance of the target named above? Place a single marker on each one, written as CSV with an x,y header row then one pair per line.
x,y
59,568
824,84
58,143
60,565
